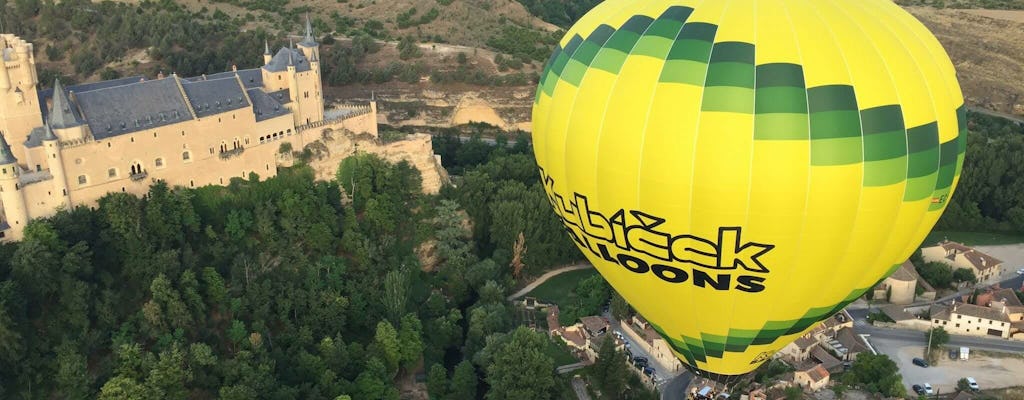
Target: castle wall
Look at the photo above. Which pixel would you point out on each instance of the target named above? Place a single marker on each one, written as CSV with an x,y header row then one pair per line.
x,y
19,102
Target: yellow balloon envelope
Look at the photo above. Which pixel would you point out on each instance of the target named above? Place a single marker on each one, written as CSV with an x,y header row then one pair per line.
x,y
740,170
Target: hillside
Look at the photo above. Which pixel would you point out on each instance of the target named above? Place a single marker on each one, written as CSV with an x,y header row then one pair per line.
x,y
462,59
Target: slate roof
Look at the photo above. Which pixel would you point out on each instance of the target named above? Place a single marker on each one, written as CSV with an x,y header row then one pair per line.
x,y
281,60
804,342
4,226
1008,297
903,273
849,339
130,108
35,138
251,78
264,106
215,96
6,157
282,96
826,359
62,113
46,94
308,39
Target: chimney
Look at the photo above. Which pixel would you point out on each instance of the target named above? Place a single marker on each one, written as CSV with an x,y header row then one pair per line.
x,y
234,68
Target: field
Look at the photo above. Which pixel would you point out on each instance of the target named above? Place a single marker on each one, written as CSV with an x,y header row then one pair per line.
x,y
559,289
973,238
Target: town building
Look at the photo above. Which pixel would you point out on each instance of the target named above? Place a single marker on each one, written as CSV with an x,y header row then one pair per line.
x,y
647,338
812,377
957,255
69,146
900,287
975,320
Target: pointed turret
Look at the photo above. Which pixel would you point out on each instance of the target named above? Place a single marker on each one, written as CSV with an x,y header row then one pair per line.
x,y
6,157
291,48
308,40
266,53
61,115
48,133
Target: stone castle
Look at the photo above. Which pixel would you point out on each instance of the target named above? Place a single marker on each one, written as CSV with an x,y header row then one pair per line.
x,y
69,146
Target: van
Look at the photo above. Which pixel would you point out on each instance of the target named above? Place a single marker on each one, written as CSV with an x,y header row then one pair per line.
x,y
920,362
965,353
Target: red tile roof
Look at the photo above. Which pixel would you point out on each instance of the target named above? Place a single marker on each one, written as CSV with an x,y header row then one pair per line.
x,y
980,260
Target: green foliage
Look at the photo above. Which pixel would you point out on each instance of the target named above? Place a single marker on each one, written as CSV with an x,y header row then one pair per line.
x,y
937,274
407,48
562,13
876,374
793,393
437,382
611,371
964,275
620,308
939,337
962,385
464,382
519,368
523,43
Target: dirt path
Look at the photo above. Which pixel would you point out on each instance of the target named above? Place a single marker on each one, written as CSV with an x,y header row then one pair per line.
x,y
543,278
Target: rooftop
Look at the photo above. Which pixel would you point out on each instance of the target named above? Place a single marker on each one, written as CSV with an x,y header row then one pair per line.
x,y
593,323
1007,297
816,372
979,260
285,57
849,339
130,108
903,274
972,310
825,358
215,96
575,337
804,342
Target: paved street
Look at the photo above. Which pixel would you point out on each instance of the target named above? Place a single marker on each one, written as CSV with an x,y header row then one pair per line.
x,y
911,337
675,389
661,371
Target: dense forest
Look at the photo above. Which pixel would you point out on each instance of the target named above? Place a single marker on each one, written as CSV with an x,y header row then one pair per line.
x,y
989,196
289,288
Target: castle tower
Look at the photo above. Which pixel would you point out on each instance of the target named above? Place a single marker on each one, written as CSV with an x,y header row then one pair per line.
x,y
311,101
15,212
19,99
56,162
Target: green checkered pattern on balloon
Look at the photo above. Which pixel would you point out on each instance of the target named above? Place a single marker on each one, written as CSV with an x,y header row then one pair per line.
x,y
783,107
699,349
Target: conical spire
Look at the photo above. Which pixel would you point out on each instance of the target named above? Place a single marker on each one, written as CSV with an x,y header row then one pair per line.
x,y
266,48
6,157
48,132
61,115
291,48
308,40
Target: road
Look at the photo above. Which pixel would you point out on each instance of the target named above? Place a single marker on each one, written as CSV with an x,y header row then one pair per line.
x,y
911,337
664,373
675,389
543,278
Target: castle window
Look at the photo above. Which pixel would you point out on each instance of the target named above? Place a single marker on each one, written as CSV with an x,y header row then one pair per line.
x,y
186,156
192,183
154,134
112,173
133,139
158,162
82,179
211,150
40,167
246,140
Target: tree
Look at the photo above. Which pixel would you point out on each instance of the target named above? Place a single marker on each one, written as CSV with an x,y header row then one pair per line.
x,y
962,385
839,389
794,393
620,308
396,293
876,374
72,377
937,274
938,337
964,275
386,344
410,340
593,293
437,382
520,369
610,371
464,382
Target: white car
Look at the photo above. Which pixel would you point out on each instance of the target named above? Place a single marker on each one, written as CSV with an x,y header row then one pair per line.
x,y
973,384
928,388
1020,271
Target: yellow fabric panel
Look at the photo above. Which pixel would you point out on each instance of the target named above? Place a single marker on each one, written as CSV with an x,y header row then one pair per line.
x,y
822,60
775,38
875,87
710,11
737,25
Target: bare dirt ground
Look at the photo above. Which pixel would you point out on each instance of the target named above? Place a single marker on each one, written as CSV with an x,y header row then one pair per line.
x,y
1012,256
987,48
990,372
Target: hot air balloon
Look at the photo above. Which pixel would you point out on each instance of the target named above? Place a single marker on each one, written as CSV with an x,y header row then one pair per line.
x,y
740,170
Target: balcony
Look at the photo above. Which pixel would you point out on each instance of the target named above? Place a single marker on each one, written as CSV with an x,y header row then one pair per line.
x,y
139,176
224,155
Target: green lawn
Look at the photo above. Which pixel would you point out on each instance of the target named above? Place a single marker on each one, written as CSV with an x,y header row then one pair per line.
x,y
559,290
559,351
973,238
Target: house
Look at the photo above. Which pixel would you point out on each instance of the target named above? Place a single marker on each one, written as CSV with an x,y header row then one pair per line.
x,y
826,359
957,255
595,326
853,343
812,377
900,287
970,319
1006,301
800,349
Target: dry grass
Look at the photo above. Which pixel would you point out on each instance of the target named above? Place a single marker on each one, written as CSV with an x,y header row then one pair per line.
x,y
988,54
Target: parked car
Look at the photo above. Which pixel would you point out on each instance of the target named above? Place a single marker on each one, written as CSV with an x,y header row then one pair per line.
x,y
920,362
648,371
927,388
918,389
1020,271
973,384
954,354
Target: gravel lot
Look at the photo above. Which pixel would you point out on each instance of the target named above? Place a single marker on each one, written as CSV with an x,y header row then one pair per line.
x,y
990,372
